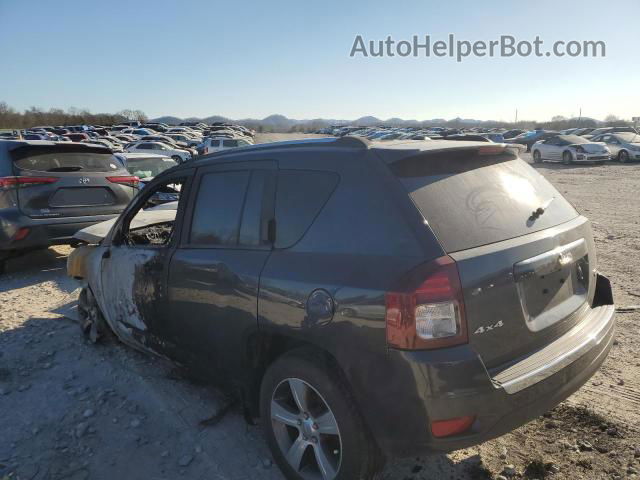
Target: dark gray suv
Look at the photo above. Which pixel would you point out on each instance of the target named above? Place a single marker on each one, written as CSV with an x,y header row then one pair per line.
x,y
49,191
365,300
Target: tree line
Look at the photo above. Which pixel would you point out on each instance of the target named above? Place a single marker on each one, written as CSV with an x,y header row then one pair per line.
x,y
33,117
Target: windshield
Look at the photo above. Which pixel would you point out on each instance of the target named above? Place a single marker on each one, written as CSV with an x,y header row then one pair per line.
x,y
629,137
149,167
574,139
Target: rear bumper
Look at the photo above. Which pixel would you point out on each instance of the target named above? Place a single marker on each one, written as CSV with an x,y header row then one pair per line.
x,y
42,232
421,387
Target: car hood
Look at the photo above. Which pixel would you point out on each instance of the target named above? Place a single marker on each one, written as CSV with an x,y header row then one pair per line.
x,y
594,147
162,213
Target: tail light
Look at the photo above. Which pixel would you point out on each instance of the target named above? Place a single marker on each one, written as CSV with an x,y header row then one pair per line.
x,y
130,180
432,315
15,182
21,234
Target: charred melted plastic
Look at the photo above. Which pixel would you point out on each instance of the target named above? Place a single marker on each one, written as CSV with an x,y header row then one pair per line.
x,y
157,234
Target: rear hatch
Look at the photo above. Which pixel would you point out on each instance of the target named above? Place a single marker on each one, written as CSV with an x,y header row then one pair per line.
x,y
525,256
70,180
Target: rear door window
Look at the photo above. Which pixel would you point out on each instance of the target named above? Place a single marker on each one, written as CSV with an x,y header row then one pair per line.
x,y
218,207
300,196
258,209
471,200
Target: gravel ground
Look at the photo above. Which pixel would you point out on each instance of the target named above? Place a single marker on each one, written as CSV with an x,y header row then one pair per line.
x,y
71,410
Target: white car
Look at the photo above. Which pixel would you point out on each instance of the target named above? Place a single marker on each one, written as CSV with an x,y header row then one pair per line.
x,y
214,144
160,149
186,130
624,146
569,149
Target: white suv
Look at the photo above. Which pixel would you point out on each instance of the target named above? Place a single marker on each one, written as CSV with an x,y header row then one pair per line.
x,y
214,144
161,149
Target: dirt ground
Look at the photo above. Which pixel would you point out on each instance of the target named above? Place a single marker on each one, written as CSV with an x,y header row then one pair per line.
x,y
71,410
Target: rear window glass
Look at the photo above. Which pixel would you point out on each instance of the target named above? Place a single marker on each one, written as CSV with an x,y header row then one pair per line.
x,y
299,198
48,160
470,200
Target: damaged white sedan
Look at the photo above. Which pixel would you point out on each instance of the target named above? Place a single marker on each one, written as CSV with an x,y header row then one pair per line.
x,y
569,149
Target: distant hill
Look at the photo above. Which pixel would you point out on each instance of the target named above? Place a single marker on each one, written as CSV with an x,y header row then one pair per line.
x,y
280,123
168,120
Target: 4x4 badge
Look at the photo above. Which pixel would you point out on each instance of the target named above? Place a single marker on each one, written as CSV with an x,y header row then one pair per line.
x,y
488,328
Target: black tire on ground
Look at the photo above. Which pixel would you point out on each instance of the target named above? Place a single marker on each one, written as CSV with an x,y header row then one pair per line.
x,y
352,453
567,158
537,158
92,322
623,156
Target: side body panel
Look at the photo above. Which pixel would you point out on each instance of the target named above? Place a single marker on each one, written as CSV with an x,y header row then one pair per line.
x,y
360,246
213,291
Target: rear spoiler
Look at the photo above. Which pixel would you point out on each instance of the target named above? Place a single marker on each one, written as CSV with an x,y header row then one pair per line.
x,y
482,149
29,150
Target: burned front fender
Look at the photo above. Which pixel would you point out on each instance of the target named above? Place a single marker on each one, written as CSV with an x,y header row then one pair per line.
x,y
78,262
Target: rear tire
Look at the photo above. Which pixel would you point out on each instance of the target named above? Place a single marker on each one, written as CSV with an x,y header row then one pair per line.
x,y
92,323
320,425
537,158
623,156
567,158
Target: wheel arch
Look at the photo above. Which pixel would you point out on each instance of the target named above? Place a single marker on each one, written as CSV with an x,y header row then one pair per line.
x,y
263,349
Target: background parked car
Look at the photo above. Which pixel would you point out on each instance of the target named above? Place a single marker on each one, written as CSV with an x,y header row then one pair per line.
x,y
531,137
568,149
624,146
48,191
215,144
77,137
600,131
159,148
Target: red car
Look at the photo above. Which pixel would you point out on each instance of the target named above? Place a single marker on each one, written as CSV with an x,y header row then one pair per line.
x,y
77,137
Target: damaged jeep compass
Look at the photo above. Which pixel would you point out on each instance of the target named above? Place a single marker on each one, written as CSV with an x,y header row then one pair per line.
x,y
365,300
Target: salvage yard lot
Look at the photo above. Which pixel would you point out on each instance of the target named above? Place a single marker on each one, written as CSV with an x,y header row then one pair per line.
x,y
76,411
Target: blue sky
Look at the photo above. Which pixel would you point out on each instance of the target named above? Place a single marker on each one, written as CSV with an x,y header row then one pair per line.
x,y
252,59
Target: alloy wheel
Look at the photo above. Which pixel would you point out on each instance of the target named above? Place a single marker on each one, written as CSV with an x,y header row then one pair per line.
x,y
306,430
623,156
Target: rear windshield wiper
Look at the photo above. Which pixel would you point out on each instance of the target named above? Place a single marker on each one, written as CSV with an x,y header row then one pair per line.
x,y
70,168
540,210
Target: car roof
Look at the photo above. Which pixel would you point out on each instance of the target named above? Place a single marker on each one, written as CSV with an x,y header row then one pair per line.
x,y
388,150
